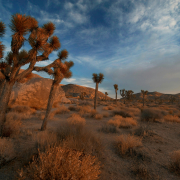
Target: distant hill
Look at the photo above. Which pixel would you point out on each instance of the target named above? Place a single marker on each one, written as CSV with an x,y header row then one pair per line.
x,y
75,91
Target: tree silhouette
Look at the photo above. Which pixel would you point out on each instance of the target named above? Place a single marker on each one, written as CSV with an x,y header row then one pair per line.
x,y
123,94
61,69
116,89
97,79
106,94
144,93
40,40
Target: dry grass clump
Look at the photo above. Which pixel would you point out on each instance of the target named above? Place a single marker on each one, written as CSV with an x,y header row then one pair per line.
x,y
12,125
6,150
83,109
76,119
108,129
152,115
22,109
123,113
92,113
125,144
108,108
105,114
119,122
175,162
61,110
98,116
62,163
172,118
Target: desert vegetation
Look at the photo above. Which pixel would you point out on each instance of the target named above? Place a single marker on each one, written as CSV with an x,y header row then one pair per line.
x,y
87,137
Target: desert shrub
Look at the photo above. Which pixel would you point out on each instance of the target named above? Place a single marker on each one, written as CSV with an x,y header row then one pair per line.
x,y
98,116
61,110
23,109
7,151
72,108
79,138
105,114
76,119
92,113
108,129
119,122
175,162
143,131
152,115
12,125
172,118
108,108
61,163
83,109
123,113
125,144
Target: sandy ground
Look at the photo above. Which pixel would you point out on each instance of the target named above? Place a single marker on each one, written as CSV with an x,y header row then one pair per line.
x,y
154,155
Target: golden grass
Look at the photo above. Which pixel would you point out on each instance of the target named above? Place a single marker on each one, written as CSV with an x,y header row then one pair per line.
x,y
172,118
125,143
76,119
119,122
62,163
175,162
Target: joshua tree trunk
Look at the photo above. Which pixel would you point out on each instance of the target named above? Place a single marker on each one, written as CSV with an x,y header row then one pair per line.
x,y
4,100
95,98
143,100
50,103
116,96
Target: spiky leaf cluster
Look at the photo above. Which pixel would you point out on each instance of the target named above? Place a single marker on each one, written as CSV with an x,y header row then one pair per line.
x,y
98,78
144,92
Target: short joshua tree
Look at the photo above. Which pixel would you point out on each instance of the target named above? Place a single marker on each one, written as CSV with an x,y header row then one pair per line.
x,y
116,89
106,94
129,95
144,93
123,94
82,95
97,79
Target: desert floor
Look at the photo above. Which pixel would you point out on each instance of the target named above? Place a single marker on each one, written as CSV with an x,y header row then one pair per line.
x,y
129,141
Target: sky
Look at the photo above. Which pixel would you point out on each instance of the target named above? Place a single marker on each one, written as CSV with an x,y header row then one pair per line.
x,y
134,43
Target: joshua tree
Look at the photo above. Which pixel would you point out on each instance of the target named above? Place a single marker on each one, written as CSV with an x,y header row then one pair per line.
x,y
82,95
106,94
116,89
40,40
97,79
61,70
144,93
123,94
129,95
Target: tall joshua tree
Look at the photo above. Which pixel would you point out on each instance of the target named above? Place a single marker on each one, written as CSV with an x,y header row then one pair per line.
x,y
106,94
61,69
144,93
40,40
97,79
116,89
123,94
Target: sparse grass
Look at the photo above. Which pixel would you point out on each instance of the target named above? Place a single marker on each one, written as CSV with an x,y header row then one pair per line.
x,y
172,118
6,150
119,122
152,115
12,125
62,163
125,144
108,129
175,162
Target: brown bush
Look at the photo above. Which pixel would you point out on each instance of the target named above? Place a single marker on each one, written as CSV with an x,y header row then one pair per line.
x,y
105,114
61,110
61,163
175,162
92,113
12,125
152,115
72,108
7,151
123,113
98,116
125,144
108,129
119,122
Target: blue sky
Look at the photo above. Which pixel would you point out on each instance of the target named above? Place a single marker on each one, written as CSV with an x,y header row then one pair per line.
x,y
134,43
